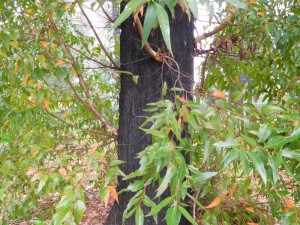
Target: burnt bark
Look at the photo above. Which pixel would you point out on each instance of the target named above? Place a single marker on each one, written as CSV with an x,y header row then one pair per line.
x,y
134,97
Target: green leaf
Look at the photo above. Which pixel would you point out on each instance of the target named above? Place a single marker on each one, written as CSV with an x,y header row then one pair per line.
x,y
139,216
173,216
63,215
164,89
148,202
69,199
269,109
231,156
164,184
163,20
203,176
291,154
129,8
150,22
5,39
227,144
193,7
263,133
186,214
79,209
276,142
249,140
259,165
159,134
135,79
162,204
136,185
236,96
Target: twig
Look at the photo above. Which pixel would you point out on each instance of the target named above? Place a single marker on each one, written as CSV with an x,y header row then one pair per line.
x,y
198,39
72,125
156,55
97,37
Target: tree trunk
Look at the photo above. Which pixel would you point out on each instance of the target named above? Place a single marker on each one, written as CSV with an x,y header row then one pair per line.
x,y
134,97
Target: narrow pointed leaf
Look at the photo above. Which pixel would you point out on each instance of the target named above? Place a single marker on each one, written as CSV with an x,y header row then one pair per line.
x,y
163,20
259,165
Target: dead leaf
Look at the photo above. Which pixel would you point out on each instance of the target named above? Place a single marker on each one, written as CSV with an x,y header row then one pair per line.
x,y
250,209
62,171
113,192
31,171
230,10
93,149
219,94
289,204
106,199
44,44
59,63
252,223
39,85
142,11
214,203
182,100
46,103
64,6
260,14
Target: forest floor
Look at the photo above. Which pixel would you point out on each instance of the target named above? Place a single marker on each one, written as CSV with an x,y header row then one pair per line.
x,y
96,212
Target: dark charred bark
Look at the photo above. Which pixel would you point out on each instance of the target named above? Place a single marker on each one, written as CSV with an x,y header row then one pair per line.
x,y
133,98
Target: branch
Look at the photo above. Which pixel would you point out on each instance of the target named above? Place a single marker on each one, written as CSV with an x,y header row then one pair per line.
x,y
156,55
92,107
198,39
97,37
72,125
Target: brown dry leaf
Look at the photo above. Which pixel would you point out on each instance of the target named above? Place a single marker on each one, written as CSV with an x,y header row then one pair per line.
x,y
179,121
26,78
168,130
252,223
219,94
230,194
250,209
44,44
142,11
113,192
62,171
106,199
214,203
263,200
93,149
64,6
39,85
31,171
183,100
16,64
46,103
59,63
230,10
260,14
289,204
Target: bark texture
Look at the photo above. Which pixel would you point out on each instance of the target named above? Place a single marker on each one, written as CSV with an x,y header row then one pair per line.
x,y
134,97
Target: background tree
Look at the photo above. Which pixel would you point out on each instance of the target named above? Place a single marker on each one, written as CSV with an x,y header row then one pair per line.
x,y
58,102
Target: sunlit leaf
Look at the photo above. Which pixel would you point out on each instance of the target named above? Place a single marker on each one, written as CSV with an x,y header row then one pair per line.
x,y
214,203
163,20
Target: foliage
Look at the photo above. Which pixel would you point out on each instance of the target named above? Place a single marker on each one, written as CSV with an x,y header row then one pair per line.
x,y
58,110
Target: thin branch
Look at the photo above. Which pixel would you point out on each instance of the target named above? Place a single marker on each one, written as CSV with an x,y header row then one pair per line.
x,y
212,33
203,69
107,15
72,125
97,37
156,55
92,107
